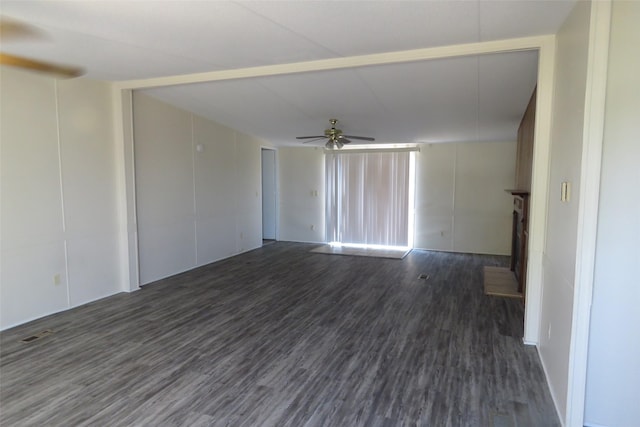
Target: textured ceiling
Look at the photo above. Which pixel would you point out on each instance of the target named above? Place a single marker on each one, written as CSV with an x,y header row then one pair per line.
x,y
458,99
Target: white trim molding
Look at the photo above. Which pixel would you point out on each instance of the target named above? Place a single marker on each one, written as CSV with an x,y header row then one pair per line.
x,y
415,55
123,125
539,189
593,131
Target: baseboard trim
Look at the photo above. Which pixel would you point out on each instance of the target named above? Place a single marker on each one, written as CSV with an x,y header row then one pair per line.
x,y
553,396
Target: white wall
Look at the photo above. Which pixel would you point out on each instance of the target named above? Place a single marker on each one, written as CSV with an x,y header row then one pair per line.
x,y
193,207
300,176
559,259
613,375
461,205
269,194
58,195
248,192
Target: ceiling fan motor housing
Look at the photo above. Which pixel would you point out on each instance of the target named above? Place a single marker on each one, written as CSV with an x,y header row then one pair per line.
x,y
333,133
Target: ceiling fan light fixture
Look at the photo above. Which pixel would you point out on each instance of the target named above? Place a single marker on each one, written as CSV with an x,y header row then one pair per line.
x,y
336,139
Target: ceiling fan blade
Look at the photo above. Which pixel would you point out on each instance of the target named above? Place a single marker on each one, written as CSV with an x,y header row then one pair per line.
x,y
10,29
45,67
313,140
309,137
363,138
344,140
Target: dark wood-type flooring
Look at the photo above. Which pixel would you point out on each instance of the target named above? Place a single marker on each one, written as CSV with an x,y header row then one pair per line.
x,y
280,336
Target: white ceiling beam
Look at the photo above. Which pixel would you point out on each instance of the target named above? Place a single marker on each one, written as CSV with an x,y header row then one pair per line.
x,y
467,49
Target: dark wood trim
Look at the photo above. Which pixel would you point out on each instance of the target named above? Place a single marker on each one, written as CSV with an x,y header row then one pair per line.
x,y
521,193
524,156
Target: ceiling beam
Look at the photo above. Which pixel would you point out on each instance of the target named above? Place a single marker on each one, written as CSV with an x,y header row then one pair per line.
x,y
414,55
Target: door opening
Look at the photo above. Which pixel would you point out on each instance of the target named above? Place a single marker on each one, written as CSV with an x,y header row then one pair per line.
x,y
269,216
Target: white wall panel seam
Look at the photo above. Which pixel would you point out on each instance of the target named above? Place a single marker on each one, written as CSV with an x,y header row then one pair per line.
x,y
194,192
135,243
61,186
453,199
58,141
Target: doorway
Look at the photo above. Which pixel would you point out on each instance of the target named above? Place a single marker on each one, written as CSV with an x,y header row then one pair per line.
x,y
269,215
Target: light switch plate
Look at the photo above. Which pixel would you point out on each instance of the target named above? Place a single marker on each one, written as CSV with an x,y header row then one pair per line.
x,y
565,192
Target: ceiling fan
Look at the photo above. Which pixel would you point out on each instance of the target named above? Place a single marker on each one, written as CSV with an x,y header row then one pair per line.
x,y
11,29
335,137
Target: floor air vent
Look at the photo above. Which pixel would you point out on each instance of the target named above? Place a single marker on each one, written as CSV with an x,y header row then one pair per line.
x,y
37,336
423,277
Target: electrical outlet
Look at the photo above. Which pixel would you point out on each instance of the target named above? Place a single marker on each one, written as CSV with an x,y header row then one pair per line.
x,y
56,279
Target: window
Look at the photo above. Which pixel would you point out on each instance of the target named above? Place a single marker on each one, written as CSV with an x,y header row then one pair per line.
x,y
370,197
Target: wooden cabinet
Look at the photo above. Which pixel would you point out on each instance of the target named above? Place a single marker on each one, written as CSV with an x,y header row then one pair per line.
x,y
524,155
520,239
520,227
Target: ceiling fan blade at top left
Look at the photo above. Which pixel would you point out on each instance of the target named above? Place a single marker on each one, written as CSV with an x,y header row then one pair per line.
x,y
45,67
10,30
309,137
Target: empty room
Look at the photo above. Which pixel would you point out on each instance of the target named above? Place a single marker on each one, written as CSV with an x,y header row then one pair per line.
x,y
305,213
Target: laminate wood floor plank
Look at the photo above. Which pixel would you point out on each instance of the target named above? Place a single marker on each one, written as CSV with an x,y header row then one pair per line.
x,y
283,337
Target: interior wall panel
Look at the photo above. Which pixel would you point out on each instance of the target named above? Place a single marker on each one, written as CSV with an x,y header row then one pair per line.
x,y
197,187
482,207
214,191
613,375
31,193
301,188
461,205
434,194
60,241
164,188
87,154
248,188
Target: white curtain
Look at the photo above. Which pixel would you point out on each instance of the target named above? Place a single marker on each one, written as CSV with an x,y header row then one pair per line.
x,y
368,197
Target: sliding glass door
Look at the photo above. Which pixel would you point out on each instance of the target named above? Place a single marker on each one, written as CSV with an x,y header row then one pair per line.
x,y
369,197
